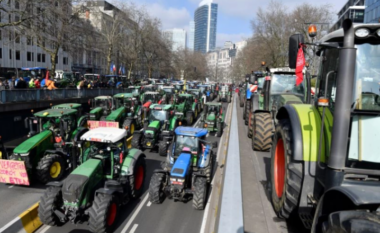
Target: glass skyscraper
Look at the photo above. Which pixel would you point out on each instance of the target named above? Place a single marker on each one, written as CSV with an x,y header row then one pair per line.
x,y
205,18
190,38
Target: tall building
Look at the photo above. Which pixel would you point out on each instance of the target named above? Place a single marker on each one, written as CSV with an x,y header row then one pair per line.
x,y
372,11
190,38
177,37
205,18
354,10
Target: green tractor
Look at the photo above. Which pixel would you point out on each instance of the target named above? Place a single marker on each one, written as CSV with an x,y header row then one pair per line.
x,y
159,129
199,98
278,89
225,93
213,118
185,104
135,90
110,175
46,153
168,93
102,106
324,158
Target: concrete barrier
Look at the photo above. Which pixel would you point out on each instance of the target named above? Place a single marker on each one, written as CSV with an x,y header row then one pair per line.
x,y
27,222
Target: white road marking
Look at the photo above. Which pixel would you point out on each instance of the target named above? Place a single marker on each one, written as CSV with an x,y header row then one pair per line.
x,y
135,214
11,186
45,229
134,228
149,203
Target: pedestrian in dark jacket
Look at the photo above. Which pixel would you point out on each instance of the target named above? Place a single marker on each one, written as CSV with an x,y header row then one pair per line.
x,y
21,83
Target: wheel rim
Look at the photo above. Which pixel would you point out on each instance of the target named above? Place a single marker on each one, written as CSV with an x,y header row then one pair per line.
x,y
111,214
139,177
132,128
279,168
55,169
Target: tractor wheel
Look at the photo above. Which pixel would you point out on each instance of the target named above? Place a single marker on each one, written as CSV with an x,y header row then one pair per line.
x,y
241,101
102,118
200,193
50,201
189,118
351,221
156,193
162,148
51,167
250,125
247,111
219,127
136,180
286,174
103,213
131,126
136,141
196,113
209,168
229,99
262,131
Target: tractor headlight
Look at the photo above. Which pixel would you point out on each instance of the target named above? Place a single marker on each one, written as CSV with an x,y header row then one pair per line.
x,y
362,32
378,32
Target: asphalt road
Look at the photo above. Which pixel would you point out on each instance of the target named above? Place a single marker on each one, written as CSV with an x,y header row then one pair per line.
x,y
259,216
142,216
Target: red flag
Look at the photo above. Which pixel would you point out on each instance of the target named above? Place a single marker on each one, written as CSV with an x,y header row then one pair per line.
x,y
300,64
47,75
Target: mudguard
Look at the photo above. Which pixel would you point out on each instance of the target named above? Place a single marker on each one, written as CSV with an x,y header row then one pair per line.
x,y
172,123
78,133
130,161
81,119
204,160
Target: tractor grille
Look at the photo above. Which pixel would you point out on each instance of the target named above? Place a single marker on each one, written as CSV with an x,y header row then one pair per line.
x,y
73,186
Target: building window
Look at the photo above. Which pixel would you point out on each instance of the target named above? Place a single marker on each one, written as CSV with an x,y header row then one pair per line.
x,y
17,4
10,54
38,57
17,38
1,53
18,55
43,58
10,18
10,35
65,61
29,56
17,18
29,41
56,59
1,35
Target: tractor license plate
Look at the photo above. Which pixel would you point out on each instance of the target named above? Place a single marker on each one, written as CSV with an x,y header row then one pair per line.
x,y
13,172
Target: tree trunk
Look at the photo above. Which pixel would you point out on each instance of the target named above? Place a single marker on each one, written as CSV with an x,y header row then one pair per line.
x,y
109,55
130,70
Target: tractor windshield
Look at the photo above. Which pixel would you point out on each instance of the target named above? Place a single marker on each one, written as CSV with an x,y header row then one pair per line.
x,y
50,123
133,90
168,90
286,83
185,143
103,103
150,97
122,102
158,115
179,87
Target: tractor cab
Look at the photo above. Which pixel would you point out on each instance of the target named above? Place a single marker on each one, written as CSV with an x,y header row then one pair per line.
x,y
135,90
75,106
102,106
148,88
178,87
33,72
169,92
126,100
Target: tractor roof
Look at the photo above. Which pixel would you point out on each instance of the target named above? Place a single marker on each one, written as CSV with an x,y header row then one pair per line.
x,y
67,106
214,104
103,97
193,90
55,112
106,135
337,36
185,95
152,93
124,95
282,70
190,131
136,87
161,106
204,85
171,87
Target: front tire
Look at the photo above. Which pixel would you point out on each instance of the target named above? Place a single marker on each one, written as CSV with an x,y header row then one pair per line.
x,y
162,148
189,118
50,201
286,174
136,141
200,193
103,213
220,129
137,180
51,167
247,111
262,131
156,194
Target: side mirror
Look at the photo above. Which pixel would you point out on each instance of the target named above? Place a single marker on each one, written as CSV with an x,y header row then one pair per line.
x,y
294,42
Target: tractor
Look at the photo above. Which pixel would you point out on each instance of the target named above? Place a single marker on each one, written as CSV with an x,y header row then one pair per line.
x,y
168,93
206,91
179,87
225,93
213,118
45,154
158,130
199,98
185,104
324,157
253,83
135,90
101,106
279,88
109,176
188,169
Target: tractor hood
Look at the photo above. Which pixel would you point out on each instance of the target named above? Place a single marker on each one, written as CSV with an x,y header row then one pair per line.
x,y
290,99
181,165
115,115
211,117
96,110
34,141
152,128
73,186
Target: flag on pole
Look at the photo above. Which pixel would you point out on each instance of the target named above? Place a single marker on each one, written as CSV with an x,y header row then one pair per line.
x,y
300,65
120,70
123,69
114,68
111,67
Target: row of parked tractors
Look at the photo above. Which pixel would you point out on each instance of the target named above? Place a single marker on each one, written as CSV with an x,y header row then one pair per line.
x,y
93,162
324,155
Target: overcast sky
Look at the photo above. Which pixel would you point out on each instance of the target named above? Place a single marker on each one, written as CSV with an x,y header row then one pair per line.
x,y
234,16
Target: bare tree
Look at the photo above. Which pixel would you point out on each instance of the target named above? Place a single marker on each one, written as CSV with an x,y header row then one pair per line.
x,y
14,13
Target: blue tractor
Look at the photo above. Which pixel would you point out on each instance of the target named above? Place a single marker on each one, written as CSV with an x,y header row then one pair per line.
x,y
187,171
254,82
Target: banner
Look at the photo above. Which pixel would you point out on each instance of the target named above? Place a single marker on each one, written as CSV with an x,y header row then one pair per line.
x,y
105,124
13,172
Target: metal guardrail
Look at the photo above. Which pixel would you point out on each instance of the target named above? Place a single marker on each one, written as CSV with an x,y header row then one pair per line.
x,y
28,95
231,212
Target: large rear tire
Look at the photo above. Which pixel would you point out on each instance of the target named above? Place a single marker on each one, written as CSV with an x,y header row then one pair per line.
x,y
189,118
51,167
156,194
103,213
262,131
131,126
250,121
286,174
137,180
200,193
247,111
351,221
50,201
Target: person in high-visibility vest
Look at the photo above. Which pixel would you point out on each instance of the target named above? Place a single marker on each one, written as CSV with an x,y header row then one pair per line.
x,y
31,83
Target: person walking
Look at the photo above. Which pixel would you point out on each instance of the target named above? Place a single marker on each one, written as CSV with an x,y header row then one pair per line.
x,y
31,83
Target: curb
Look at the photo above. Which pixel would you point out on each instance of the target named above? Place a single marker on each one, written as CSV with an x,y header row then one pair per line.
x,y
27,222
